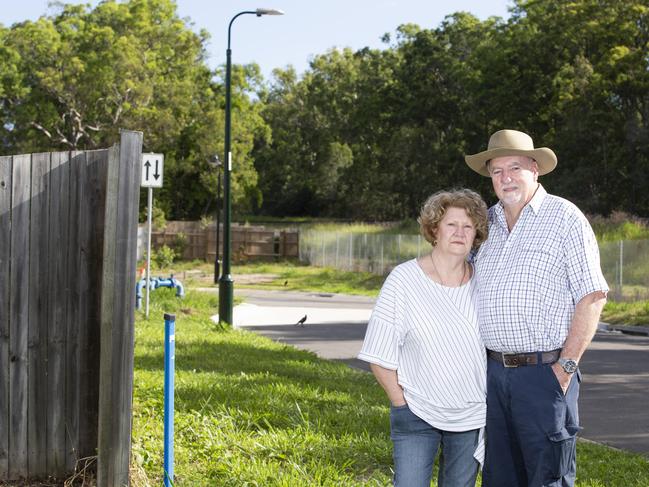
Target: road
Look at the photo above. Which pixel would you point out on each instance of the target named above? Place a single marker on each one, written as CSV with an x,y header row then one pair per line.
x,y
613,404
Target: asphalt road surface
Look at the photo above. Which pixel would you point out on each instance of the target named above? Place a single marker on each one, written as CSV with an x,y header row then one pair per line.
x,y
614,402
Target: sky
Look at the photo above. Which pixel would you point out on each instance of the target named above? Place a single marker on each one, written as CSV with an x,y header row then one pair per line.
x,y
308,28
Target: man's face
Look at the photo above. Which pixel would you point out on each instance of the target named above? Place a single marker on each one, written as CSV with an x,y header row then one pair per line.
x,y
514,179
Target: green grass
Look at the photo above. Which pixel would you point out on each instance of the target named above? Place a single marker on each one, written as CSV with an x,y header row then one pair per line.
x,y
253,412
600,466
405,227
619,226
293,276
408,226
288,275
626,313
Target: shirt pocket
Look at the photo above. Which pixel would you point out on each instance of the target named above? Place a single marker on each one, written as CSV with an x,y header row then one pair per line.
x,y
542,266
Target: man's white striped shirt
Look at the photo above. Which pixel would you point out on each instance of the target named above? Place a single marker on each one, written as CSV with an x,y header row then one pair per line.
x,y
429,334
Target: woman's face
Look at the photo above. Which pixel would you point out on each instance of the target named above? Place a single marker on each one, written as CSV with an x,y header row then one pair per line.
x,y
455,232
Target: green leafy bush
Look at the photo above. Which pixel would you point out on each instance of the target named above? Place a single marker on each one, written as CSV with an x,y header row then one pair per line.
x,y
163,257
619,226
180,244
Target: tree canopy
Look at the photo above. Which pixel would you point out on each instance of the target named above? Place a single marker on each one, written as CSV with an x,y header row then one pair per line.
x,y
73,79
575,75
364,134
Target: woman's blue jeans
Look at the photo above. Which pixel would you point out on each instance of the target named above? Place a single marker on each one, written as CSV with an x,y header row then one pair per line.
x,y
415,447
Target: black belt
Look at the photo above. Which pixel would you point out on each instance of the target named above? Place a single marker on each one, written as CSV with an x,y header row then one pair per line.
x,y
517,359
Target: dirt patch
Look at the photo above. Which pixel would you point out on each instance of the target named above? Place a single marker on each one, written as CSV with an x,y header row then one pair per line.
x,y
254,278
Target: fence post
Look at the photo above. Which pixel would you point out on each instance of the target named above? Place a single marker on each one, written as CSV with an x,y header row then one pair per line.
x,y
170,364
621,281
398,248
364,249
337,248
351,250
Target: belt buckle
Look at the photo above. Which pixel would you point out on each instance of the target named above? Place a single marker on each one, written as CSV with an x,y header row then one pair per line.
x,y
511,365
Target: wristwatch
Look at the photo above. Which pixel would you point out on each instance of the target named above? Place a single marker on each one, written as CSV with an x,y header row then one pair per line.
x,y
568,364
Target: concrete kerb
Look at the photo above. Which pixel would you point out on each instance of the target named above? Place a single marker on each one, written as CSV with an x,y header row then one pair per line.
x,y
626,329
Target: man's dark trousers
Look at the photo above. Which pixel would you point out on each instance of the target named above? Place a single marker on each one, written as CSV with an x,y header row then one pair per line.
x,y
531,427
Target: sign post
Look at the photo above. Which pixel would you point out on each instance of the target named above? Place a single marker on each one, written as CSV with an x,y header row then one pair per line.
x,y
152,168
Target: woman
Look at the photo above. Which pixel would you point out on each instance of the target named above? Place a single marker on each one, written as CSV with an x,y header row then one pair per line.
x,y
424,348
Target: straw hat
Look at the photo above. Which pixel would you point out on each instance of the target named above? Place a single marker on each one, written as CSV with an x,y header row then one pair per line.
x,y
512,143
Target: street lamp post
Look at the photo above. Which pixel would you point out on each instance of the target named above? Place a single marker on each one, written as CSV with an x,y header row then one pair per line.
x,y
225,282
217,263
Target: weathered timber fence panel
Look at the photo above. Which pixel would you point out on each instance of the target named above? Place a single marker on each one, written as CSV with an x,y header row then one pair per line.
x,y
67,261
118,314
5,234
38,312
18,316
247,242
58,278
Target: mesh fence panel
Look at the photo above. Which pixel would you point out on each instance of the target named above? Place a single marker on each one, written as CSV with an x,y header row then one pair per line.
x,y
625,263
359,251
626,267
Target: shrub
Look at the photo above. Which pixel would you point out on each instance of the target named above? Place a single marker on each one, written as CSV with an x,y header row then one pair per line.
x,y
163,257
158,217
179,244
619,226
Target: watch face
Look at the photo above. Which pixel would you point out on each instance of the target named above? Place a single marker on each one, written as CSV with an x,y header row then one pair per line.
x,y
569,365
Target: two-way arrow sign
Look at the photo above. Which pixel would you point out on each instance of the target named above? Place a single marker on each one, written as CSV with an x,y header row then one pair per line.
x,y
152,165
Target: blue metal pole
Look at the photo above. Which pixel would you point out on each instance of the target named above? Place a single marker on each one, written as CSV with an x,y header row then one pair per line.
x,y
170,361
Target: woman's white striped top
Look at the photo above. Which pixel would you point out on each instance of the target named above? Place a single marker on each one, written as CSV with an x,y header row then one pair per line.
x,y
429,334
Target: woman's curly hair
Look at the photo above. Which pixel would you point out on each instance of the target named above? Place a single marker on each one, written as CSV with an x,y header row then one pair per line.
x,y
434,209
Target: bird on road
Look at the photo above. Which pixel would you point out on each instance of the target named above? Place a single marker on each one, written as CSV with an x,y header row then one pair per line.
x,y
301,321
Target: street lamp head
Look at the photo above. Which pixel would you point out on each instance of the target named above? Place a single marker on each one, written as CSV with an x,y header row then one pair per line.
x,y
268,11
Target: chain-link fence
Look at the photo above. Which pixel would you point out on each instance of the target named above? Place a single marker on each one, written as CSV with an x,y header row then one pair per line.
x,y
377,253
626,267
625,263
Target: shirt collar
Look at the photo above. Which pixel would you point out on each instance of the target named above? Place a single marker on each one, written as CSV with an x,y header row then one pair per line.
x,y
535,204
537,200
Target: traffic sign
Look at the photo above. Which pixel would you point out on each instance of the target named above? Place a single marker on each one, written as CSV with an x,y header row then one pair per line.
x,y
152,170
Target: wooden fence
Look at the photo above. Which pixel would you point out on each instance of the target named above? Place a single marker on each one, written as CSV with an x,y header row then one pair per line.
x,y
199,241
68,225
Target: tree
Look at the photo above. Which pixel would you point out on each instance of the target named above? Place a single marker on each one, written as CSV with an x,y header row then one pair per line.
x,y
581,85
73,79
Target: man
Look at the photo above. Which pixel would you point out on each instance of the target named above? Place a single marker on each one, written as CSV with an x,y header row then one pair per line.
x,y
540,295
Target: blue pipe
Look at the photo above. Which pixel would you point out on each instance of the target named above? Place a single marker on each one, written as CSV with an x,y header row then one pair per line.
x,y
170,362
155,283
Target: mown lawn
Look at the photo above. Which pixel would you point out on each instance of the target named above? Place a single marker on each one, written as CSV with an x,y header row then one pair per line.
x,y
293,276
288,275
627,313
253,412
